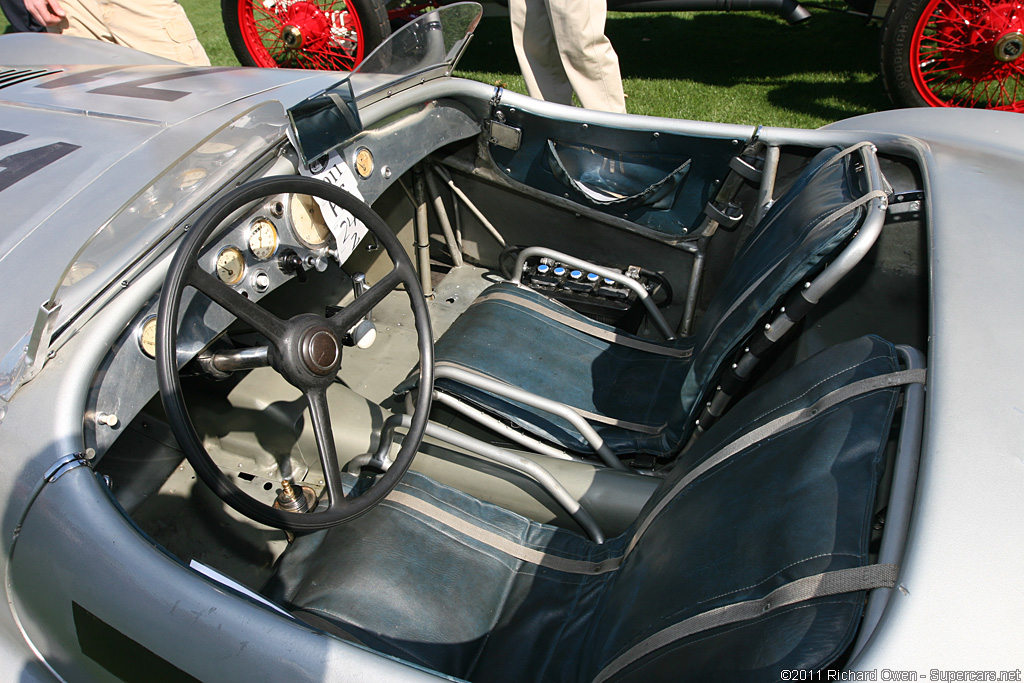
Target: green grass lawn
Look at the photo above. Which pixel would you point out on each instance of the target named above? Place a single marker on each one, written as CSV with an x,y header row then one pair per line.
x,y
716,66
739,67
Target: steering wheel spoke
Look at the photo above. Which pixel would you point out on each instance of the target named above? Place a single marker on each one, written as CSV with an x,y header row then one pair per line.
x,y
320,417
305,349
347,318
259,318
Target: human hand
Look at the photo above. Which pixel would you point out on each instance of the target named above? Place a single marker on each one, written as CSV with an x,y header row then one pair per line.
x,y
46,12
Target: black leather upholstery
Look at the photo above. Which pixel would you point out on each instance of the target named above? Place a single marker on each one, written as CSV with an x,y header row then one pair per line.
x,y
638,400
428,576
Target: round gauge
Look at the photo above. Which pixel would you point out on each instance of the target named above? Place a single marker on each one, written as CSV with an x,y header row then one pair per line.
x,y
262,239
308,221
147,336
216,148
190,178
364,162
230,265
78,272
155,207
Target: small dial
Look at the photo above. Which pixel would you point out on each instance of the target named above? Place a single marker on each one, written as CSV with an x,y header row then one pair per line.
x,y
364,162
218,148
308,221
147,337
153,206
79,271
262,239
230,265
191,177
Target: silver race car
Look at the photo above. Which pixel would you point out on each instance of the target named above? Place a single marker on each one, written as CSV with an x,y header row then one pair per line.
x,y
407,377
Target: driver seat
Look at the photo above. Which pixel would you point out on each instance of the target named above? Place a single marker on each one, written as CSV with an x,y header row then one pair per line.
x,y
750,558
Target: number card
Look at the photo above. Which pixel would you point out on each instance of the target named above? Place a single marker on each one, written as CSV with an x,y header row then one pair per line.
x,y
347,231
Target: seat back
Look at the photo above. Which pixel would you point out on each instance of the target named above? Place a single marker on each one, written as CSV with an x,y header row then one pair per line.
x,y
781,490
751,558
837,196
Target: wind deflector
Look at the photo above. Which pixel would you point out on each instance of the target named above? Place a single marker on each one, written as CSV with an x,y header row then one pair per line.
x,y
424,49
324,121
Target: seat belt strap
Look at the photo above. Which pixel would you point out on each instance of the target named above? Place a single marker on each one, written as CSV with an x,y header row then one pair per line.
x,y
816,586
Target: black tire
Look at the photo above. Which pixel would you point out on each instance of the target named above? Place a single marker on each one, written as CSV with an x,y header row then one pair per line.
x,y
895,49
258,34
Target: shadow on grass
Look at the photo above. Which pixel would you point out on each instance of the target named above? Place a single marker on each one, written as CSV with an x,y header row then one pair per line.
x,y
826,67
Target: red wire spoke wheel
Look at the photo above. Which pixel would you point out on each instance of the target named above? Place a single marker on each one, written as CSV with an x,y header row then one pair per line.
x,y
955,53
333,35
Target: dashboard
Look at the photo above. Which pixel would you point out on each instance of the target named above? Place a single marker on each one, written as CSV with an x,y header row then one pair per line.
x,y
260,248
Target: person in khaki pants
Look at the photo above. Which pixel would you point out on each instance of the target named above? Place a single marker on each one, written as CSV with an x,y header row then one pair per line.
x,y
158,27
562,48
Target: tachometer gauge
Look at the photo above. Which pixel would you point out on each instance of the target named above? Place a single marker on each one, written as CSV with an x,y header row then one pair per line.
x,y
262,239
308,221
147,337
230,265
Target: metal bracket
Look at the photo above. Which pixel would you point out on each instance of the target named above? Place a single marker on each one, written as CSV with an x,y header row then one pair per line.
x,y
496,97
65,465
907,196
728,218
504,135
745,169
905,206
39,342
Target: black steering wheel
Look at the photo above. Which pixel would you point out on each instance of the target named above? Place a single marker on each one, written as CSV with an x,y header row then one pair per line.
x,y
305,350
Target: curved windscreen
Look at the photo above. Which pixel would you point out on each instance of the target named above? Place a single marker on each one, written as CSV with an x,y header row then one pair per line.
x,y
426,48
432,39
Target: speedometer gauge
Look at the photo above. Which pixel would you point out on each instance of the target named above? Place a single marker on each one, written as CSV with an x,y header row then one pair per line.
x,y
262,239
308,221
230,265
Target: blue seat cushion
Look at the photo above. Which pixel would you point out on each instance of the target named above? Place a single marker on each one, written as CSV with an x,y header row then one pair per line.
x,y
514,334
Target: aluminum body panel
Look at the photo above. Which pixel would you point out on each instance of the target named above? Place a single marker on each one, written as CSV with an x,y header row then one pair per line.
x,y
204,629
82,143
960,601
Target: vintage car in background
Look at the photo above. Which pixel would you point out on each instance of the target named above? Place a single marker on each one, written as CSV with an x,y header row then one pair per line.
x,y
932,53
404,376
